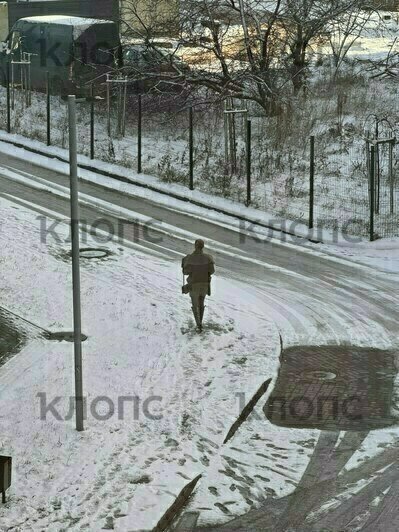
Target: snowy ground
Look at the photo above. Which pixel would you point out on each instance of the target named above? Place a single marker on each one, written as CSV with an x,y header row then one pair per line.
x,y
134,315
126,471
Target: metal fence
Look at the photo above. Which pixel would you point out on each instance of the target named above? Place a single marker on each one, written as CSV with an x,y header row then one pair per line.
x,y
233,151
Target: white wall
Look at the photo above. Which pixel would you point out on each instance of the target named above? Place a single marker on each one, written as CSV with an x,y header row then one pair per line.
x,y
3,20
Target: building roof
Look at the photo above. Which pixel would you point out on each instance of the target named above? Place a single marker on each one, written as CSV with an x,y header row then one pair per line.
x,y
66,20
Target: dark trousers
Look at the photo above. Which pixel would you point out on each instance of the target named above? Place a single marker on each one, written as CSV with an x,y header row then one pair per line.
x,y
198,293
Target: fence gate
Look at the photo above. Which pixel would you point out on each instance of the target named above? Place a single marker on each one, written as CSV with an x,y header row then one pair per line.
x,y
383,184
234,117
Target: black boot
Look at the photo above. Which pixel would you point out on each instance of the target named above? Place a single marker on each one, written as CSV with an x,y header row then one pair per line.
x,y
202,309
196,316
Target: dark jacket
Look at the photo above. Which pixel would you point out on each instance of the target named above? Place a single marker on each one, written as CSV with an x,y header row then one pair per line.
x,y
198,266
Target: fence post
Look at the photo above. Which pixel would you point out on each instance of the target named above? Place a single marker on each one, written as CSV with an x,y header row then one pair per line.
x,y
139,128
248,161
391,184
8,99
92,122
226,138
29,74
108,82
12,85
48,108
372,191
191,148
311,184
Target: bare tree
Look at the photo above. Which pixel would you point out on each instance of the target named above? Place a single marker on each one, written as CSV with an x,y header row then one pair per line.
x,y
345,31
307,22
144,18
249,49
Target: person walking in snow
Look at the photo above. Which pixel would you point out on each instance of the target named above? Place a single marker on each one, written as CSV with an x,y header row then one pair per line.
x,y
199,267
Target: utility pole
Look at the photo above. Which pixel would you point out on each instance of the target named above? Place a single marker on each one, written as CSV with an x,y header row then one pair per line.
x,y
77,327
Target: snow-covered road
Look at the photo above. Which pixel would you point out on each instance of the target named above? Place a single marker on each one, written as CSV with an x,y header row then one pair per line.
x,y
122,471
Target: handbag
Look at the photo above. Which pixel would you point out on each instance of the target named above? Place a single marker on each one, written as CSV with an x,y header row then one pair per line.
x,y
185,289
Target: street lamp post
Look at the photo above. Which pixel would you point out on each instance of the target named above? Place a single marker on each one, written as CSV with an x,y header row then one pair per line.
x,y
73,165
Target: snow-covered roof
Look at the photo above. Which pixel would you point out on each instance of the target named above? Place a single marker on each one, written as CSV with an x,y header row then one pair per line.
x,y
66,20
